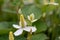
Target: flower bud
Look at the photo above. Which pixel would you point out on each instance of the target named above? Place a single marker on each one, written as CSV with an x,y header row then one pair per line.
x,y
11,37
31,17
19,11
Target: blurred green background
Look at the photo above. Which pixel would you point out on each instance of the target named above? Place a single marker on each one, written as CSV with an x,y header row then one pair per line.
x,y
48,27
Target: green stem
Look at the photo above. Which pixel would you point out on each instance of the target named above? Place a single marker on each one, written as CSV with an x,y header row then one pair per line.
x,y
53,33
29,34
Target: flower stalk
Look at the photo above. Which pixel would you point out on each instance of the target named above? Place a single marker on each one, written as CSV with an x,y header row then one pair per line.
x,y
29,35
31,18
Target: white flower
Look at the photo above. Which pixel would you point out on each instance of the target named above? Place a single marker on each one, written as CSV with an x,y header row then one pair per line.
x,y
22,26
31,18
20,29
53,3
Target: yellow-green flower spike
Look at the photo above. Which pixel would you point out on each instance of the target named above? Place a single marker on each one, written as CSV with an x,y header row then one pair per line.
x,y
11,37
45,2
52,1
22,20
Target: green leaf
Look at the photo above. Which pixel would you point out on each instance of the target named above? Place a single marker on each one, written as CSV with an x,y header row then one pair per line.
x,y
39,37
5,27
8,17
20,38
6,37
57,38
48,8
29,9
11,6
51,8
41,26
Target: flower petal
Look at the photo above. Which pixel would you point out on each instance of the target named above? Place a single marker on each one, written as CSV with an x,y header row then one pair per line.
x,y
34,20
31,16
18,32
28,29
16,26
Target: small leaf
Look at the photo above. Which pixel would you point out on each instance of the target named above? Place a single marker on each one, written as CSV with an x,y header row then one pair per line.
x,y
41,26
39,37
5,27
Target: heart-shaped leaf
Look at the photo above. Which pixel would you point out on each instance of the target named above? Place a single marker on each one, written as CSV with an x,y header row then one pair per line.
x,y
29,9
39,37
41,26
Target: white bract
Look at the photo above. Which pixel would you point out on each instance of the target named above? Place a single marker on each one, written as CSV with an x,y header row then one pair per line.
x,y
53,3
23,26
20,29
31,17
